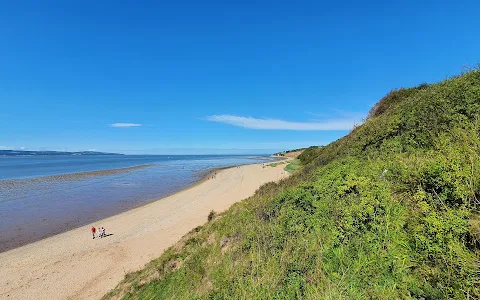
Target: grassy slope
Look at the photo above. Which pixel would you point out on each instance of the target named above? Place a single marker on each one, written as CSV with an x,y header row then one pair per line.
x,y
389,211
294,166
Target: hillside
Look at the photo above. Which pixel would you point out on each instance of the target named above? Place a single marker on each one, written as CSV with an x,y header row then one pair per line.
x,y
290,153
390,211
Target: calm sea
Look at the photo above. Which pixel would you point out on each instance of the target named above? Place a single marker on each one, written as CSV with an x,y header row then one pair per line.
x,y
45,195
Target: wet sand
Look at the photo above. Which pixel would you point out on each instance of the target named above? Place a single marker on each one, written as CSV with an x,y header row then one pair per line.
x,y
71,176
72,265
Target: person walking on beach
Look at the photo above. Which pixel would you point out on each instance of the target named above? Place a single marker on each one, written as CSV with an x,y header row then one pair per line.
x,y
93,231
103,232
99,232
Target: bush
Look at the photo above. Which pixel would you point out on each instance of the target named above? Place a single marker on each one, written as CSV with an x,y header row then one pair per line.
x,y
211,215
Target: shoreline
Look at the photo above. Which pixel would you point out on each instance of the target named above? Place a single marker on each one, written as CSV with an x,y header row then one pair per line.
x,y
72,176
63,266
34,235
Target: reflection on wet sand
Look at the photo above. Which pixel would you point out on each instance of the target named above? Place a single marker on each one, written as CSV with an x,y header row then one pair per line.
x,y
73,176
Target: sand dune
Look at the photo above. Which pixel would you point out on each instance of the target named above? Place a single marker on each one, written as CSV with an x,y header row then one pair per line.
x,y
72,265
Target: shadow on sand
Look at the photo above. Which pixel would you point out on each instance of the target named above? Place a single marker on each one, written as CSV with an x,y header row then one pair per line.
x,y
106,235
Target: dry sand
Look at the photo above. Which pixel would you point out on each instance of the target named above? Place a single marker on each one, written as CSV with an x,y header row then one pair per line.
x,y
72,265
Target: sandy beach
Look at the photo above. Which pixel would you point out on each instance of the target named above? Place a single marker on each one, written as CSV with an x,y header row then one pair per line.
x,y
72,265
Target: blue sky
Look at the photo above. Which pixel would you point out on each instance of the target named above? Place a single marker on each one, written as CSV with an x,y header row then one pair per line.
x,y
211,76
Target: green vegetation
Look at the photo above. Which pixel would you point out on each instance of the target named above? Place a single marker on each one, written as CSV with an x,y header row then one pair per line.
x,y
211,216
288,151
390,211
276,164
309,154
294,166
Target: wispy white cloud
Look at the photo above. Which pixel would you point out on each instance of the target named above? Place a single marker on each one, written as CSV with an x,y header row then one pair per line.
x,y
275,124
125,125
5,147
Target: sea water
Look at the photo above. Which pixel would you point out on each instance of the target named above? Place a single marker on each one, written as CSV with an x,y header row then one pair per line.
x,y
45,195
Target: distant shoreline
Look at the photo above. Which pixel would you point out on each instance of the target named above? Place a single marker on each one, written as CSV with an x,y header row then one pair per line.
x,y
79,174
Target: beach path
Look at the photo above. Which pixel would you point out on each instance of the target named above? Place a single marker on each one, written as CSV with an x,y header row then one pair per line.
x,y
72,265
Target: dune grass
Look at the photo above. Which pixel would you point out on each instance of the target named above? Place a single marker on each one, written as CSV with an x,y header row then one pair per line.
x,y
389,211
293,166
276,164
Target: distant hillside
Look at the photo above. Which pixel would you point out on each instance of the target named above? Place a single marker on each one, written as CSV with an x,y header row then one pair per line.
x,y
49,153
390,211
291,153
282,153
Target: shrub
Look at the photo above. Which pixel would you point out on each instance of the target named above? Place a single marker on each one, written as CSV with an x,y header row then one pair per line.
x,y
211,215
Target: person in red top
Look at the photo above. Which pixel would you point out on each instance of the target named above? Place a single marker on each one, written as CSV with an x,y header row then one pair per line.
x,y
93,231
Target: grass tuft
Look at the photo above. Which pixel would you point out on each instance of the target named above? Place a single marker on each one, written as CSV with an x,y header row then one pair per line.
x,y
294,166
211,216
